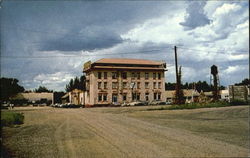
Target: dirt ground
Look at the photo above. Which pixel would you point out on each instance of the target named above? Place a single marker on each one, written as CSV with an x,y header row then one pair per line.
x,y
129,132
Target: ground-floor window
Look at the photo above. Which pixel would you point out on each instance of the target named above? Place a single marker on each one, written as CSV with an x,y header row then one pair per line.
x,y
157,96
102,97
147,96
114,98
124,97
135,96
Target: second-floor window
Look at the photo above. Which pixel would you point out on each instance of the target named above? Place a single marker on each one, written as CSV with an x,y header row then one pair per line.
x,y
105,75
146,76
114,85
146,84
159,85
105,85
138,85
99,85
99,75
114,75
154,85
124,85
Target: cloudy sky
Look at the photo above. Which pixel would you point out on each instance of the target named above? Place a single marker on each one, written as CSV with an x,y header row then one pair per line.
x,y
47,42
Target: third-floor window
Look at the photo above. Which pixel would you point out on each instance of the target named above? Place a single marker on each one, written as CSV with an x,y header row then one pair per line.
x,y
99,75
114,75
146,76
124,75
159,76
154,76
105,75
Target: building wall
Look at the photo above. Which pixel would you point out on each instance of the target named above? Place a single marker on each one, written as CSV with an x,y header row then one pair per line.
x,y
238,93
38,96
92,96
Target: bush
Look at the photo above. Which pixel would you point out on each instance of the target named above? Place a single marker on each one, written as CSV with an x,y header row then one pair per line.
x,y
194,106
11,118
239,102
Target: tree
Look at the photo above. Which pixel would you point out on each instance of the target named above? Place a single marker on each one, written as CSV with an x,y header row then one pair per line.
x,y
9,87
179,95
76,83
42,89
246,81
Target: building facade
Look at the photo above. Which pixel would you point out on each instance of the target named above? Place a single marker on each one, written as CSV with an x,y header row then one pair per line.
x,y
119,81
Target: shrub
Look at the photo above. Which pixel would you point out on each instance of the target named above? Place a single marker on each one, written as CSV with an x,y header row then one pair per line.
x,y
11,118
239,102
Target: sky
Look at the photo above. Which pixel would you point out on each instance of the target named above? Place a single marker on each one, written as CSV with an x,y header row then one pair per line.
x,y
46,43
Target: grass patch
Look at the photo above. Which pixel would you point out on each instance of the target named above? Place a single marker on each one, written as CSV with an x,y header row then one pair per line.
x,y
201,105
11,118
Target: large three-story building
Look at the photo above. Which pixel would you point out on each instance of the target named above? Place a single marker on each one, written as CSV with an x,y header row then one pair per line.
x,y
118,81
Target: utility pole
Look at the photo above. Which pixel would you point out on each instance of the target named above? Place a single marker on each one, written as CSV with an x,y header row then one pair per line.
x,y
177,87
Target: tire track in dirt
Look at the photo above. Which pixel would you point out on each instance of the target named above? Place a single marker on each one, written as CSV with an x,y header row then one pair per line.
x,y
119,136
157,141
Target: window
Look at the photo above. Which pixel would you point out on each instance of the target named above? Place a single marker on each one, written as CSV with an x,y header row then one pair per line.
x,y
138,85
159,96
155,96
124,97
147,96
124,85
114,85
146,84
105,75
99,97
138,75
104,97
133,96
154,85
99,75
114,98
146,76
133,75
159,76
99,85
159,85
105,85
138,96
124,75
154,76
114,75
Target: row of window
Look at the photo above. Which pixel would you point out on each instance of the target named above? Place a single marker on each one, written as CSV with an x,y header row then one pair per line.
x,y
102,97
134,75
134,85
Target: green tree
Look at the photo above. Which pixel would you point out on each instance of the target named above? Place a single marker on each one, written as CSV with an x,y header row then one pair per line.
x,y
246,81
76,83
42,89
9,87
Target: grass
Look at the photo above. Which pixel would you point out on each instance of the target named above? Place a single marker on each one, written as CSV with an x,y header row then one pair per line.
x,y
11,118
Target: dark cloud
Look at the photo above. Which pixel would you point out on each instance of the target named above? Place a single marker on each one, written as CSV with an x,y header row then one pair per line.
x,y
86,40
195,16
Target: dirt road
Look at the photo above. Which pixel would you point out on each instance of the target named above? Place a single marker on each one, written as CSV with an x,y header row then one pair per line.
x,y
77,133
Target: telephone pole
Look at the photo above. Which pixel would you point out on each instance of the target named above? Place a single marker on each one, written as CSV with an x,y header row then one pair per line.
x,y
177,87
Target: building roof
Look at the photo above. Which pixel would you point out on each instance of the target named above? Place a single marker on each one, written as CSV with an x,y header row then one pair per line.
x,y
128,61
132,68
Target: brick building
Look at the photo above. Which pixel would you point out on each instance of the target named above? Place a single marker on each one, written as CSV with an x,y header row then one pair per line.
x,y
117,81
